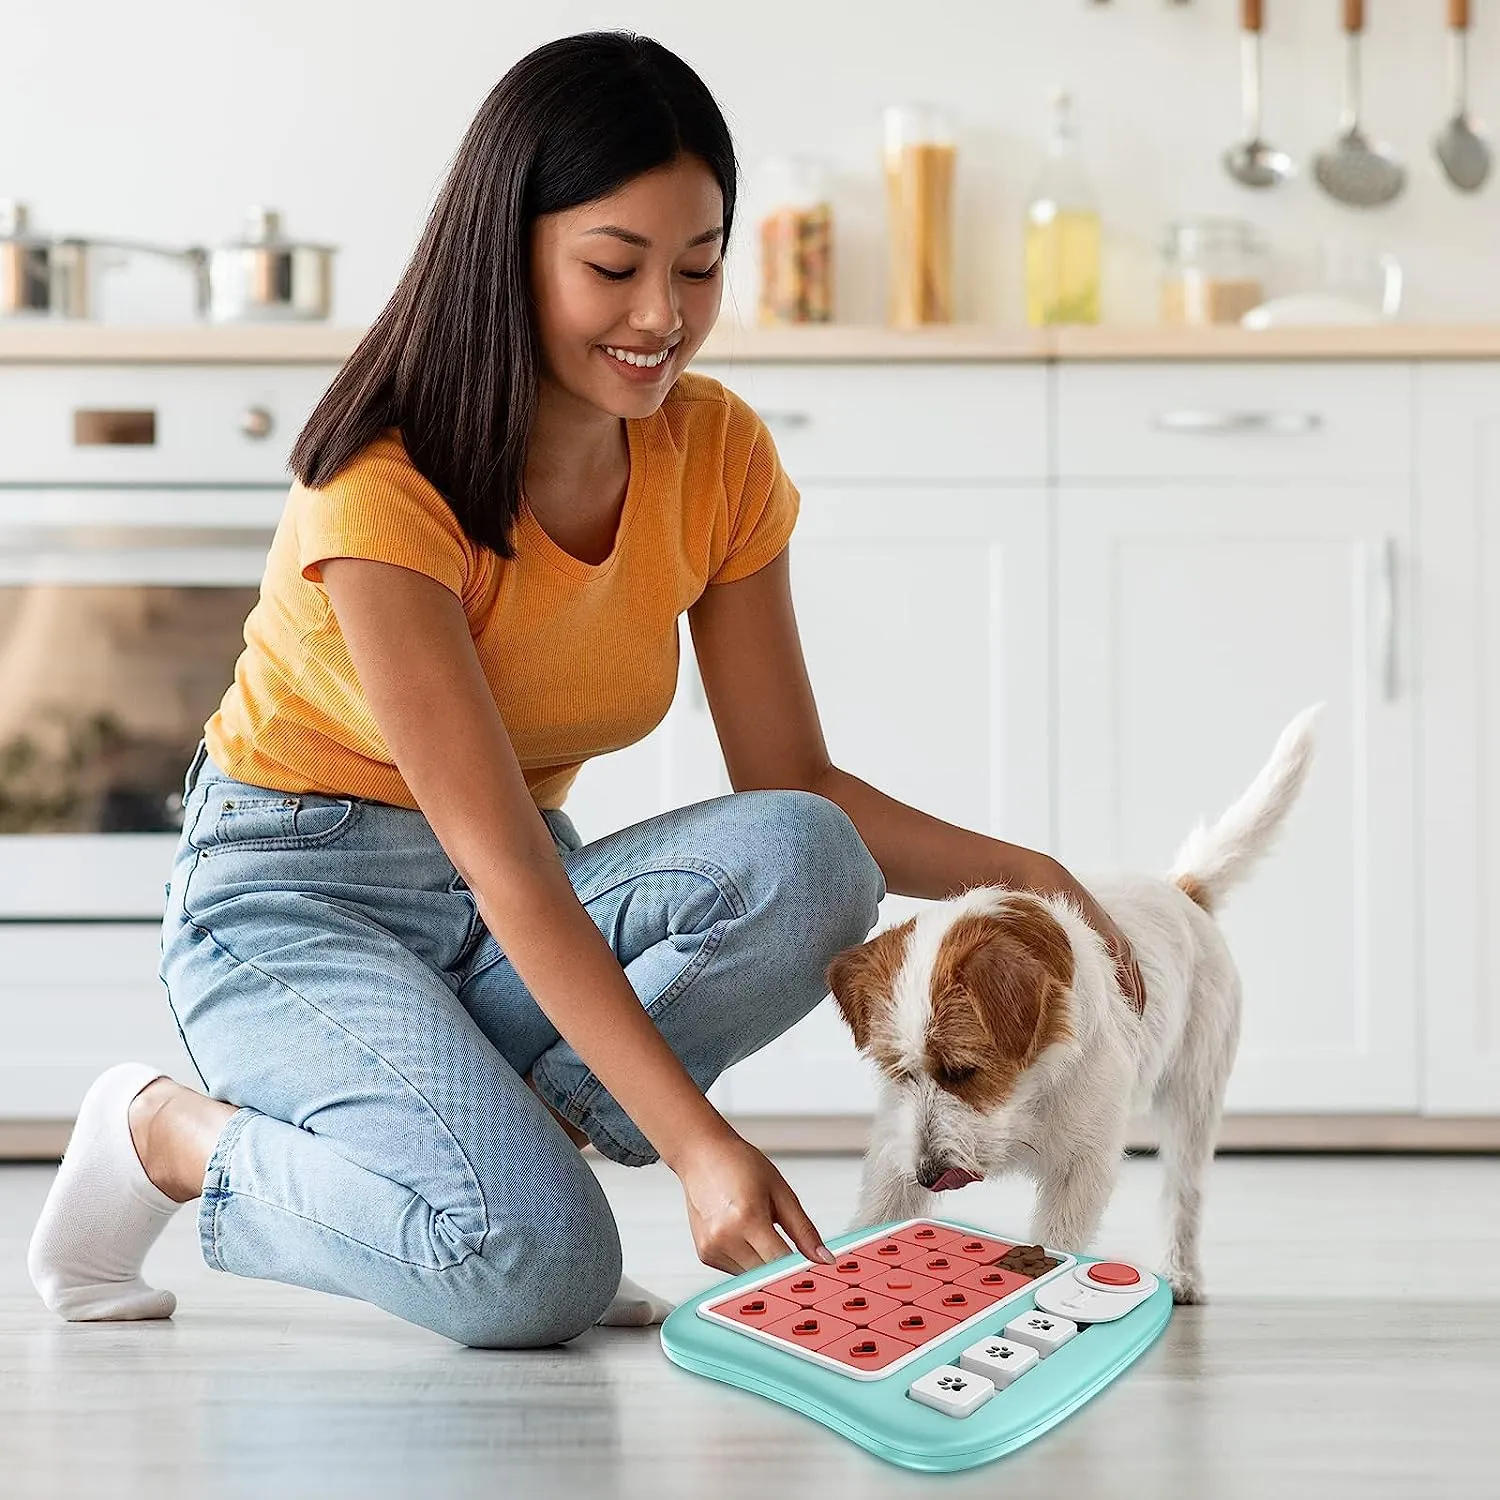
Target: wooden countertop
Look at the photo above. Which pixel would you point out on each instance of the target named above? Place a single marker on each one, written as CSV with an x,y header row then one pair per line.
x,y
63,342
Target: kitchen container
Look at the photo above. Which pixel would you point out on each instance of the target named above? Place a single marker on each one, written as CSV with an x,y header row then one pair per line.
x,y
920,157
1063,235
796,245
1213,271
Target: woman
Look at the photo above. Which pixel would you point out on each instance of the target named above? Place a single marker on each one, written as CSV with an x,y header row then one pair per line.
x,y
385,942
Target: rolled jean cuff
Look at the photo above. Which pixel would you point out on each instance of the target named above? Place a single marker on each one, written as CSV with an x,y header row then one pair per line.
x,y
216,1188
615,1137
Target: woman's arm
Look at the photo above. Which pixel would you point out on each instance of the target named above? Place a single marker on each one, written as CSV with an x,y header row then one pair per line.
x,y
755,679
410,645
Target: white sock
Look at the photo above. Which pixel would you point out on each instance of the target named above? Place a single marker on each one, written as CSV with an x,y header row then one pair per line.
x,y
634,1307
103,1213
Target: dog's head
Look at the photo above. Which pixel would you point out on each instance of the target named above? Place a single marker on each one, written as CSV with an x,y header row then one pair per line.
x,y
953,1008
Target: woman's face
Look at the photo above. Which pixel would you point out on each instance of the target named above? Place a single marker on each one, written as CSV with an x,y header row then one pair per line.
x,y
636,273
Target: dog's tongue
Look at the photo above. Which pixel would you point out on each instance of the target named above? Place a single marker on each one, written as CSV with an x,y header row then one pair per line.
x,y
954,1177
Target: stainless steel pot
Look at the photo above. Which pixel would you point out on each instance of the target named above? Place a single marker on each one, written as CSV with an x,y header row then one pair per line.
x,y
40,276
260,277
263,276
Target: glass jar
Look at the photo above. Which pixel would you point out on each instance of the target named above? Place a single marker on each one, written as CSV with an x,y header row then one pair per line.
x,y
1212,271
796,244
919,166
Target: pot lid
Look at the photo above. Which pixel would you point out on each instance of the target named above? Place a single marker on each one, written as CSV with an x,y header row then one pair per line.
x,y
15,221
262,228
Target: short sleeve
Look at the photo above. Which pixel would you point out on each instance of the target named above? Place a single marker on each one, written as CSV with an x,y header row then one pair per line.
x,y
763,502
381,508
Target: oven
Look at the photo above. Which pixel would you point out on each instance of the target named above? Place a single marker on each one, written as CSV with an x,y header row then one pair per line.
x,y
137,504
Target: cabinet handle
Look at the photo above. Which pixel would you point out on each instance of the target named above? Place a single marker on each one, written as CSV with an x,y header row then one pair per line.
x,y
1237,421
1390,565
787,420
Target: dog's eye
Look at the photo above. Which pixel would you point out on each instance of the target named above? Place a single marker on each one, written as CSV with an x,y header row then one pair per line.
x,y
955,1077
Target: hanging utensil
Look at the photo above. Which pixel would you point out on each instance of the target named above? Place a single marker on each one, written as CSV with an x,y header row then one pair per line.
x,y
1351,169
1461,150
1251,161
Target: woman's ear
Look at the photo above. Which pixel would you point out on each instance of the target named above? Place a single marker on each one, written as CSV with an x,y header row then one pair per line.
x,y
861,979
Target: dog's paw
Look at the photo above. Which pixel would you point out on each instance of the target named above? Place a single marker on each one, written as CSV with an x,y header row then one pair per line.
x,y
1187,1289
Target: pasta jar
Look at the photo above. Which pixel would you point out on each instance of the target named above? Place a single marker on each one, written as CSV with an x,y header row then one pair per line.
x,y
920,160
796,245
1212,271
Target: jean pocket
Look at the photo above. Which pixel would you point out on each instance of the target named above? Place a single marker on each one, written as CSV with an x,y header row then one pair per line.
x,y
234,817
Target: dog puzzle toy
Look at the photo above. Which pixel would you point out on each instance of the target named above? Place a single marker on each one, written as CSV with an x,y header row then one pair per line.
x,y
931,1343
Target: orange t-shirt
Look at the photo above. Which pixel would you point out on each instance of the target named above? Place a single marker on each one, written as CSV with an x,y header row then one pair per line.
x,y
581,657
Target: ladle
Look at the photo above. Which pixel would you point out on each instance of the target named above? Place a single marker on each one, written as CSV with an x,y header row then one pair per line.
x,y
1251,161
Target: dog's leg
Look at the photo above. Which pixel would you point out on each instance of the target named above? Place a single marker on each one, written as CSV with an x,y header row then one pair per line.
x,y
888,1188
1188,1105
887,1192
1072,1197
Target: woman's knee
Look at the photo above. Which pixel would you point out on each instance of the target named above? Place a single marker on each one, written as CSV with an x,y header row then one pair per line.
x,y
824,866
543,1283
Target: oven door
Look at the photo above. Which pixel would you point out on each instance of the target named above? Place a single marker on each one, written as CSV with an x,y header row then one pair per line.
x,y
121,619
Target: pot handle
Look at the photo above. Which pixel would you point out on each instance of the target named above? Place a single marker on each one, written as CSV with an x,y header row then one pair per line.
x,y
195,255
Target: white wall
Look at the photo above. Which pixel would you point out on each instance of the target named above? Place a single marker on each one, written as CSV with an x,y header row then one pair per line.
x,y
164,119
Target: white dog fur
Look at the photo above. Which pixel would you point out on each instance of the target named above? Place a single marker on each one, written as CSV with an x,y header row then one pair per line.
x,y
1004,1042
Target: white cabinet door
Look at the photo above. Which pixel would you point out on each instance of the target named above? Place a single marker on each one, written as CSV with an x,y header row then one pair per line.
x,y
77,1000
1458,509
923,615
1193,624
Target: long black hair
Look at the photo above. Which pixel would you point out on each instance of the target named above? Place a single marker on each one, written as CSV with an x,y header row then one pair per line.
x,y
454,359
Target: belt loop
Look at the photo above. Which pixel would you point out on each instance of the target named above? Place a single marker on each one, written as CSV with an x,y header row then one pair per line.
x,y
199,756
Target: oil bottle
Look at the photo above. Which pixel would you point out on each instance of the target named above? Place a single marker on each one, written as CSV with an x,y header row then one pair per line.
x,y
1062,231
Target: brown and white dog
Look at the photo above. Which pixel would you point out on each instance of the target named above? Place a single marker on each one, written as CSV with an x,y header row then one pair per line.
x,y
1003,1040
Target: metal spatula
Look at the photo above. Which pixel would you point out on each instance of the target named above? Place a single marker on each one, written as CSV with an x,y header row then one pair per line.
x,y
1351,169
1461,150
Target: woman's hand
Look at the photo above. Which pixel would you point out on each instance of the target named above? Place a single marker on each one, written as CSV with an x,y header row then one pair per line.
x,y
1057,881
735,1199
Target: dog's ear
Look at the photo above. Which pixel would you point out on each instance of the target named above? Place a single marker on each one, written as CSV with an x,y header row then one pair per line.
x,y
1014,969
861,978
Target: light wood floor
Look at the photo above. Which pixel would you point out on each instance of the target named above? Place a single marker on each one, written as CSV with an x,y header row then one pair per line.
x,y
1352,1349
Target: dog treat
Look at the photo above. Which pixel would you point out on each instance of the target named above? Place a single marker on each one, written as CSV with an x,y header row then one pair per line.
x,y
1027,1260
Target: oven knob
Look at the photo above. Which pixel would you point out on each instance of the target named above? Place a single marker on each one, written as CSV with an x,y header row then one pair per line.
x,y
256,422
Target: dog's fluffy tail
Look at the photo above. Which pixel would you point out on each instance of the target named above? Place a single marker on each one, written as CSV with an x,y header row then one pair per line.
x,y
1214,859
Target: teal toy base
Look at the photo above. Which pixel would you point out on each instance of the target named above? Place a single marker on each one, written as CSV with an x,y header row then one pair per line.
x,y
878,1414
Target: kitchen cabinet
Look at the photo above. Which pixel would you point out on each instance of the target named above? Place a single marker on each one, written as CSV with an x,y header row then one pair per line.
x,y
1192,626
79,999
922,612
1458,586
1070,605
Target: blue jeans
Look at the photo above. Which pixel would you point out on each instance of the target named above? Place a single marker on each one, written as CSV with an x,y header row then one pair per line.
x,y
330,975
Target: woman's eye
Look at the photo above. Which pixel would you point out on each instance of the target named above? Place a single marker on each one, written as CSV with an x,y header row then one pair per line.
x,y
625,275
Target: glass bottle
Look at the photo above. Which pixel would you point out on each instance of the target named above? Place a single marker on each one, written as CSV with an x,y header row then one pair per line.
x,y
1062,232
796,245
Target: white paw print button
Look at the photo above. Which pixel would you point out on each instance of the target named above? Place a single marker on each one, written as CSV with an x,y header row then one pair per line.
x,y
1045,1332
998,1360
952,1391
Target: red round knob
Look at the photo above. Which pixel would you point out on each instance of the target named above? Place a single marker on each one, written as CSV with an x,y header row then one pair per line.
x,y
1113,1273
